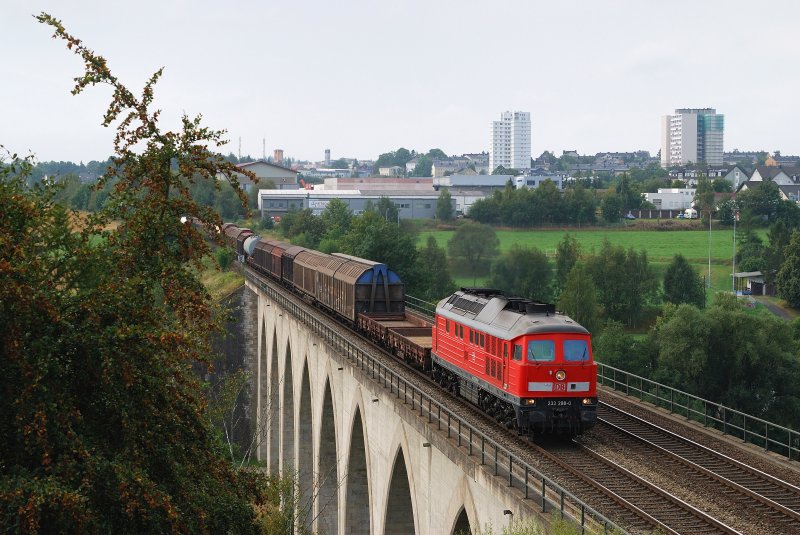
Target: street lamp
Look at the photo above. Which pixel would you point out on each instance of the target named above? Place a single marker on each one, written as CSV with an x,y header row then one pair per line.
x,y
709,246
735,219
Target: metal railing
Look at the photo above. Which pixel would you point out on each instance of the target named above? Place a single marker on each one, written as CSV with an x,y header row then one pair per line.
x,y
770,436
531,482
420,305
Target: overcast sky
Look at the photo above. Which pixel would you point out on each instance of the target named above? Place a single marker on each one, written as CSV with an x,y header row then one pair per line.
x,y
366,77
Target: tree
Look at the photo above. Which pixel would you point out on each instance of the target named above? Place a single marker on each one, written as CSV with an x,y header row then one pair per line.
x,y
704,196
402,157
434,281
103,418
628,193
750,254
374,238
611,207
387,209
724,354
303,227
436,154
444,206
523,271
423,167
579,205
336,221
721,185
762,200
619,349
682,284
625,282
788,280
578,298
568,252
779,237
227,203
474,244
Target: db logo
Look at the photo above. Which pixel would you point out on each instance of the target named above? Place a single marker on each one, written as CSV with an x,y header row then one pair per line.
x,y
560,387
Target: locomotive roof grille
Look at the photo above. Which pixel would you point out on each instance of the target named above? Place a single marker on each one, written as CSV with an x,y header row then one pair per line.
x,y
468,305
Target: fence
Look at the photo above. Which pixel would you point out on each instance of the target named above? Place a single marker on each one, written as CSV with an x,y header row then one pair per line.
x,y
533,484
770,436
425,307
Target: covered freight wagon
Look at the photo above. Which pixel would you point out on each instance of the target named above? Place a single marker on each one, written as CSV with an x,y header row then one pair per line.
x,y
287,262
369,288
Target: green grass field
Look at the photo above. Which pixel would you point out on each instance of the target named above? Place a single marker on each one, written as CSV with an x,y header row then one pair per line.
x,y
661,247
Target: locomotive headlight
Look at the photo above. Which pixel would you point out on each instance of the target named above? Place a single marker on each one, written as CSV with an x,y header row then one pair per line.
x,y
587,401
530,402
561,375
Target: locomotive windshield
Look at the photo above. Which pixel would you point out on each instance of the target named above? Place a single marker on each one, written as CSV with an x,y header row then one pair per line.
x,y
541,351
576,350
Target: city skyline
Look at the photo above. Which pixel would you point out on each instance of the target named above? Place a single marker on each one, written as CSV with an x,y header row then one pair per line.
x,y
313,76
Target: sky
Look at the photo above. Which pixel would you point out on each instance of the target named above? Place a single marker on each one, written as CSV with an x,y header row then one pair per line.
x,y
364,77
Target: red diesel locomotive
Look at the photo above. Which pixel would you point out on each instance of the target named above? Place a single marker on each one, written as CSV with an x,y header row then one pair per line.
x,y
518,360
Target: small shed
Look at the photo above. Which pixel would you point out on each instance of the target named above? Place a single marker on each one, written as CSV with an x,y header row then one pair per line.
x,y
752,283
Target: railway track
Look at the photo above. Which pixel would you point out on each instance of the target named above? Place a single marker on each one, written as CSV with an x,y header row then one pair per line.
x,y
641,505
760,500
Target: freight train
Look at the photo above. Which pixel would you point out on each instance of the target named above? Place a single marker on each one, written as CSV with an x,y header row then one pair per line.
x,y
520,361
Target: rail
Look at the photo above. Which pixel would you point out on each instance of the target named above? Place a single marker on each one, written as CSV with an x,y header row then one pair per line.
x,y
518,474
770,436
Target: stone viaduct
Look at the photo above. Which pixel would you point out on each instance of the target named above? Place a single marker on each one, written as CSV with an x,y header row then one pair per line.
x,y
367,458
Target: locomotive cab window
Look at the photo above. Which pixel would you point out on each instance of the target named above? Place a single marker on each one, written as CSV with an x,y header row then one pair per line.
x,y
517,352
576,350
541,351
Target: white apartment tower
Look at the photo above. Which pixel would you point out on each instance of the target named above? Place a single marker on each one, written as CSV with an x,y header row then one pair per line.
x,y
692,135
511,141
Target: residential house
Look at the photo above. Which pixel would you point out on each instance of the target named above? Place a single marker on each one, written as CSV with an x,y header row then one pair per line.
x,y
736,176
786,178
394,170
411,164
448,165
